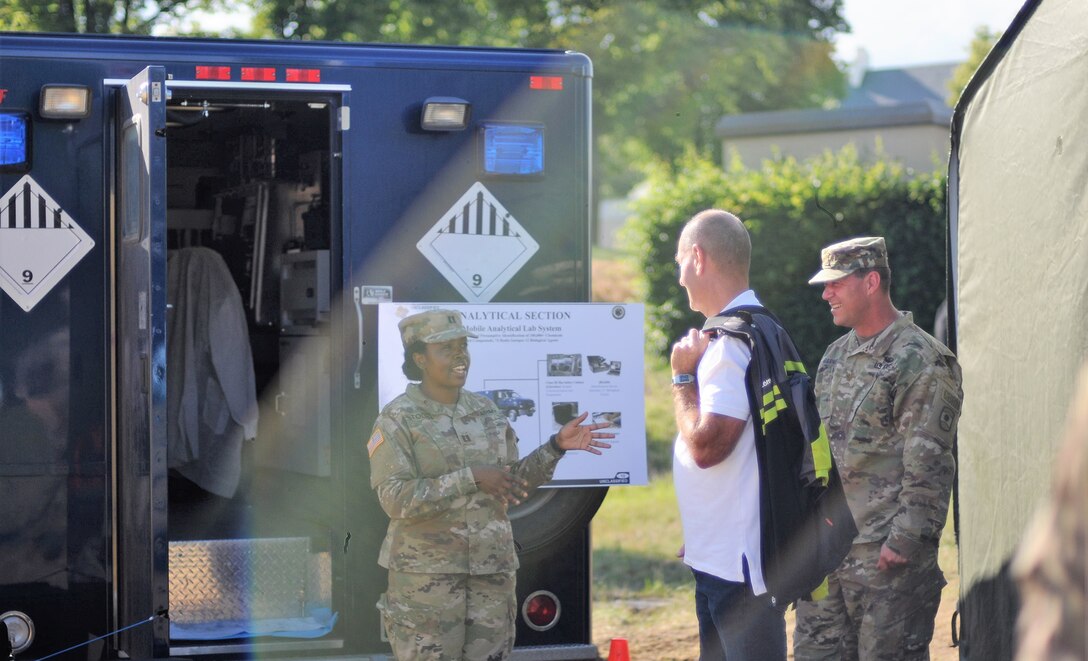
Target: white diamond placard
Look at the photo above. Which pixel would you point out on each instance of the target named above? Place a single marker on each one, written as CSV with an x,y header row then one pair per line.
x,y
39,243
477,245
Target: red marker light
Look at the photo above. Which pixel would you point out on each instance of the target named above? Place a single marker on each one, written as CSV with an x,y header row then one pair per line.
x,y
206,72
546,83
261,74
304,75
540,610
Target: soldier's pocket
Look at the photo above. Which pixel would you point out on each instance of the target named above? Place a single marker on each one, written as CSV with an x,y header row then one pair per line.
x,y
861,396
871,419
383,610
404,624
921,614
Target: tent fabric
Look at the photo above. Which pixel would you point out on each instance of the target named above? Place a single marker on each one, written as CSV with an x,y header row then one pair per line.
x,y
1019,227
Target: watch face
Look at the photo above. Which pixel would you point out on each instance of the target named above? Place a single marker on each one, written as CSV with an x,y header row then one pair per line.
x,y
683,378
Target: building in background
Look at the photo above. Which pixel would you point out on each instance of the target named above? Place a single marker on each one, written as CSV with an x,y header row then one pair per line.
x,y
901,114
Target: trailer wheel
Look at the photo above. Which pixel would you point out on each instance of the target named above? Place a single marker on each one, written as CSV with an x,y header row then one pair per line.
x,y
551,514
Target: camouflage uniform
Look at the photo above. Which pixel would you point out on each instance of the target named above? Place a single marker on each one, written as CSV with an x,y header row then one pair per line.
x,y
890,404
449,548
1050,566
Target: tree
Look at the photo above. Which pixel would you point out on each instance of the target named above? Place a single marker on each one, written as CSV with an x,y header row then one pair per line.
x,y
792,209
663,77
471,22
664,71
980,47
94,16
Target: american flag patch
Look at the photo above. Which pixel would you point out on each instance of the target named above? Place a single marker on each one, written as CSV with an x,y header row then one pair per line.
x,y
376,439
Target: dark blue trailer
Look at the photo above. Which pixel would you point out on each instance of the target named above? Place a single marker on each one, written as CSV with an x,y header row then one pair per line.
x,y
193,233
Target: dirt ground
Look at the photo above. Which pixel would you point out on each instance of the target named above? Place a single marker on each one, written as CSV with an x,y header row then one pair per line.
x,y
675,637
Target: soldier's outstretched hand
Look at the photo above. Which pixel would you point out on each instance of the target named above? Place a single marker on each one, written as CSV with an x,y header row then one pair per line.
x,y
576,436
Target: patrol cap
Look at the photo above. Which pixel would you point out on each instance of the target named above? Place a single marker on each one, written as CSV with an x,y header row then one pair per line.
x,y
432,326
841,259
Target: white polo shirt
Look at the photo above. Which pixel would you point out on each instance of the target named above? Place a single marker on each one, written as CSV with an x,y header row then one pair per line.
x,y
719,506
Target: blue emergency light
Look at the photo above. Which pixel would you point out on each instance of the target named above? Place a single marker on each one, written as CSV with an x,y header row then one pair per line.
x,y
14,141
512,149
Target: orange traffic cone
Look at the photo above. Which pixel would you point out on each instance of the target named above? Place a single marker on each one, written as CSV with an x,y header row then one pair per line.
x,y
617,650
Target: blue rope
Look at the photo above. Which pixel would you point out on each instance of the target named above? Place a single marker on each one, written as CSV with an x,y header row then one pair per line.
x,y
112,633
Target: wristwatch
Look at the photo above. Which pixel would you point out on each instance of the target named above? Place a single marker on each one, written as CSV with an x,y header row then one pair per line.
x,y
681,379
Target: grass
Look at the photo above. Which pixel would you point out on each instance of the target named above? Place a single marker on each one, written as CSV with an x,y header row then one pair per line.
x,y
635,552
641,590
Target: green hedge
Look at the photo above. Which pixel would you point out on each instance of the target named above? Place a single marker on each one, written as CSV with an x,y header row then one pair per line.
x,y
778,203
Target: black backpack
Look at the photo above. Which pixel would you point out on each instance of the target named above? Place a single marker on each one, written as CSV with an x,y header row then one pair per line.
x,y
806,525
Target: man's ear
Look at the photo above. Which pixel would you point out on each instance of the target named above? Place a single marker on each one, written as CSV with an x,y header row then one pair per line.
x,y
417,358
872,282
698,258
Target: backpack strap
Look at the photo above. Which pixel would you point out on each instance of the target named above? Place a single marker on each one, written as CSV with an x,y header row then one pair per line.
x,y
756,324
738,322
763,374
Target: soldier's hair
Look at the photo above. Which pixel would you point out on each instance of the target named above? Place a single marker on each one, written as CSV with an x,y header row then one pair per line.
x,y
410,369
723,238
884,272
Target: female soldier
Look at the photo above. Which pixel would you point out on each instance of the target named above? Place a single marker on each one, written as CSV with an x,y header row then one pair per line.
x,y
444,462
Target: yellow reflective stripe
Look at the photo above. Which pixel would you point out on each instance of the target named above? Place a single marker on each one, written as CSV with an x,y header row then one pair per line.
x,y
769,416
820,592
772,404
794,366
769,397
821,455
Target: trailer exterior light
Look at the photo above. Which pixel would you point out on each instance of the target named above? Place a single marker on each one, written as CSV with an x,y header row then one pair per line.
x,y
541,610
14,142
445,113
512,149
209,72
553,83
303,75
261,74
65,101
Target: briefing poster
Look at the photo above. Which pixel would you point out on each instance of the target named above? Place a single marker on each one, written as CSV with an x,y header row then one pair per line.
x,y
544,364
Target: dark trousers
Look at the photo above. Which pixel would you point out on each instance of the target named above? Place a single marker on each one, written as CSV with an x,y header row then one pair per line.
x,y
735,624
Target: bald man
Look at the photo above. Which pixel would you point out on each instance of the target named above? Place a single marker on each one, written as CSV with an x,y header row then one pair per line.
x,y
715,467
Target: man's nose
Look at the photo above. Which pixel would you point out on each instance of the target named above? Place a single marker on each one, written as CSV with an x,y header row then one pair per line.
x,y
827,293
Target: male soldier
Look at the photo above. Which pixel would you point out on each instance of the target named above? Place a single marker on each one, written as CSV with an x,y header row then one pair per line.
x,y
715,464
890,397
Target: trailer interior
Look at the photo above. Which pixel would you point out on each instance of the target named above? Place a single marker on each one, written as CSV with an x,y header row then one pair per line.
x,y
251,258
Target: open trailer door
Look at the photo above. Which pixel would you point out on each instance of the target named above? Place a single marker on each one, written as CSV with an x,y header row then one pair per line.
x,y
140,463
1019,255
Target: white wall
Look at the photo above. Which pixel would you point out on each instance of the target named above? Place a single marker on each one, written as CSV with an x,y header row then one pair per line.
x,y
923,147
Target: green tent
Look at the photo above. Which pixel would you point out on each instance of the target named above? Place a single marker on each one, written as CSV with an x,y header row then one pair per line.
x,y
1018,251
